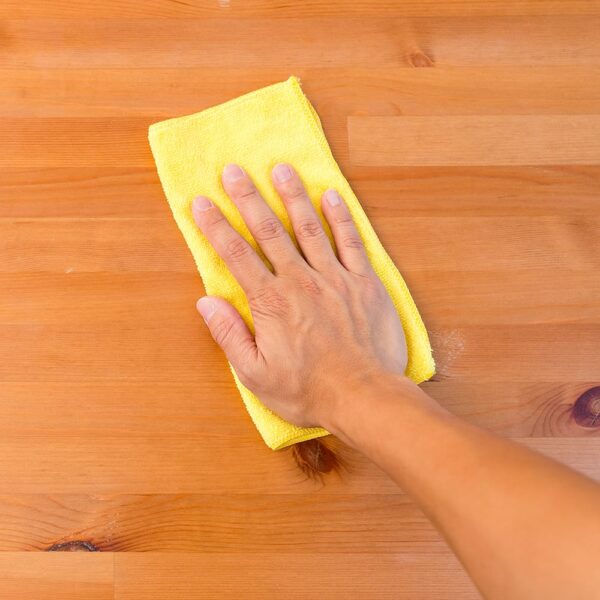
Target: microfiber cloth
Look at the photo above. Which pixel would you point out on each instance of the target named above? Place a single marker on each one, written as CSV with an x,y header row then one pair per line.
x,y
258,130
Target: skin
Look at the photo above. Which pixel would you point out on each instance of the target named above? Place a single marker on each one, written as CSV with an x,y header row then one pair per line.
x,y
329,350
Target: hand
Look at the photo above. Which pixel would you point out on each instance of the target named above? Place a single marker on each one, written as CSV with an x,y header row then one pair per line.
x,y
324,324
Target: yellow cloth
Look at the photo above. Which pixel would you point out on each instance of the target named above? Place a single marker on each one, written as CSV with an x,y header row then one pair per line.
x,y
273,124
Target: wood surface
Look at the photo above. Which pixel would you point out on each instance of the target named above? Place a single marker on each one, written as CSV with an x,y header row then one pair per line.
x,y
128,468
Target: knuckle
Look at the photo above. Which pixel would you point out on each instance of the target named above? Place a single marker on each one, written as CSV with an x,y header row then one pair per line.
x,y
214,219
268,302
268,229
344,218
339,283
237,249
310,285
222,331
352,240
310,228
246,191
295,191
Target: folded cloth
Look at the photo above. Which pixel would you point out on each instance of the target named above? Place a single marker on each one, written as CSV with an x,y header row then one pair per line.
x,y
258,130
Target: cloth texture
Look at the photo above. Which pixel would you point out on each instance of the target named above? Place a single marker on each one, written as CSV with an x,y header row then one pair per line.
x,y
258,130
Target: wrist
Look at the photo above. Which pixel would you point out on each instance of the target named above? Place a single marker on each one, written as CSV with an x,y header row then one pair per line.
x,y
359,400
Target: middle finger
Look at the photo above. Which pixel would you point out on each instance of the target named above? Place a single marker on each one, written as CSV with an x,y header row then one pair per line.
x,y
265,227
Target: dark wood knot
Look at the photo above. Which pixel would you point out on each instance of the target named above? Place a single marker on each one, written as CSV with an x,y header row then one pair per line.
x,y
586,410
73,546
420,60
314,458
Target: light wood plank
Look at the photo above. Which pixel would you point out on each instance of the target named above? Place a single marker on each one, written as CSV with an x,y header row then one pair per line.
x,y
302,577
300,43
278,9
336,93
179,350
213,410
373,141
236,523
48,576
416,243
221,464
475,140
423,192
118,142
455,298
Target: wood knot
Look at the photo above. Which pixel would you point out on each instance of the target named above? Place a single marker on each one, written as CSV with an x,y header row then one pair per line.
x,y
314,458
420,60
586,410
73,546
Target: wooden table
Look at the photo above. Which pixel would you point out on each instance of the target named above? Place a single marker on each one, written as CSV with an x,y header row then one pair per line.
x,y
470,130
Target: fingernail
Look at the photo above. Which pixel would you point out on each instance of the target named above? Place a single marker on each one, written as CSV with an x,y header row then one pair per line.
x,y
282,173
232,173
332,197
202,204
206,307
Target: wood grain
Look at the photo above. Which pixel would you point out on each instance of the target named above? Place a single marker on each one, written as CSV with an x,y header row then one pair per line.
x,y
82,192
49,576
385,41
275,9
120,428
336,92
474,140
199,576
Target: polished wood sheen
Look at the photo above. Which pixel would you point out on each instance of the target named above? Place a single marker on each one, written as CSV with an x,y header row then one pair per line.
x,y
128,467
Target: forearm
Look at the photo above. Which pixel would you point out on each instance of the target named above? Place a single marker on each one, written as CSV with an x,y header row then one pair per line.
x,y
523,525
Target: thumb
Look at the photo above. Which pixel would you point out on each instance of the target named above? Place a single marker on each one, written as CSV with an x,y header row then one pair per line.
x,y
229,331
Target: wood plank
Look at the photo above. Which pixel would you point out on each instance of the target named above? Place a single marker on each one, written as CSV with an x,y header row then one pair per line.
x,y
552,352
48,576
521,297
519,410
455,298
477,192
278,9
178,349
374,141
423,192
336,93
115,142
381,41
74,245
217,464
302,577
213,411
475,140
236,523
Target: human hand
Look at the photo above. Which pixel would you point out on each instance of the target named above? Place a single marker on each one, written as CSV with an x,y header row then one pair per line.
x,y
324,324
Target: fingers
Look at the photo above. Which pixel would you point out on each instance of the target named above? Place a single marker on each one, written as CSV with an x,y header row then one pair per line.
x,y
350,247
304,218
240,258
230,332
265,227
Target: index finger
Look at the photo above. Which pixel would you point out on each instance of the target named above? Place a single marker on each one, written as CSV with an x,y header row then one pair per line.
x,y
239,256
